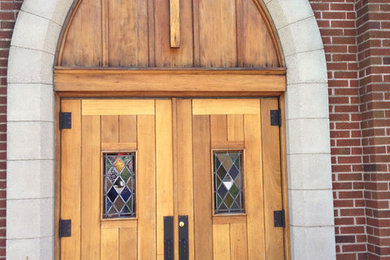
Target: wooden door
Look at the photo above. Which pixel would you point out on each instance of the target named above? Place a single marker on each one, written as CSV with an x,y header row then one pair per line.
x,y
172,147
221,127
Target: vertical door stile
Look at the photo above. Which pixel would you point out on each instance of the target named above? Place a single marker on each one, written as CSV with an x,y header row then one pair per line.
x,y
283,155
146,187
272,181
164,169
184,172
71,180
254,187
90,186
175,147
202,187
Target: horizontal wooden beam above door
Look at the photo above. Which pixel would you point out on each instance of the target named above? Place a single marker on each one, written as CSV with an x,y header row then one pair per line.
x,y
223,82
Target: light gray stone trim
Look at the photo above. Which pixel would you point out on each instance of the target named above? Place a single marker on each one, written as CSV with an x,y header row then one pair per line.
x,y
30,200
307,131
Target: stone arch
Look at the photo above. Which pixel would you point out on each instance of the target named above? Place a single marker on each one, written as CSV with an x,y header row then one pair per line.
x,y
30,134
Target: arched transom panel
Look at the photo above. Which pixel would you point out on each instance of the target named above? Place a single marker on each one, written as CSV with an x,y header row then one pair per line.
x,y
136,33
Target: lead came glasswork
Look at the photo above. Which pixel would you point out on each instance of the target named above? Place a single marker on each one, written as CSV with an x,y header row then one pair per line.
x,y
119,185
228,195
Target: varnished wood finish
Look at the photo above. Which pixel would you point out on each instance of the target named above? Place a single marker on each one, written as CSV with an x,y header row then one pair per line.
x,y
92,133
57,183
125,36
174,141
238,241
90,188
283,155
202,188
164,169
85,32
184,167
225,107
128,243
118,107
174,12
254,184
245,125
272,180
146,188
221,81
135,33
221,241
71,180
170,48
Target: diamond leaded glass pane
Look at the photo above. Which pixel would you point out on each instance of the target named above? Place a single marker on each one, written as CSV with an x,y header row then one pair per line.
x,y
228,196
119,185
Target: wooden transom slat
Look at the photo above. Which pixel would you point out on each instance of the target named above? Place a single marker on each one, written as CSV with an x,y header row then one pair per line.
x,y
117,107
225,106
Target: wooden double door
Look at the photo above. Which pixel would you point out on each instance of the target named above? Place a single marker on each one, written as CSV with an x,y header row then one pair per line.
x,y
138,174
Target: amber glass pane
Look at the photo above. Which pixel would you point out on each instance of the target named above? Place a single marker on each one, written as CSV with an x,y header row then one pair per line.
x,y
228,182
119,185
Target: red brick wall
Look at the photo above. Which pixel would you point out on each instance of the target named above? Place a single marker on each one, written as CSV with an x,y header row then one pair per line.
x,y
373,39
8,12
358,56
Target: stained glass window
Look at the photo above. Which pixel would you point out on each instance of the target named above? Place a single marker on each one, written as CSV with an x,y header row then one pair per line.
x,y
119,185
228,196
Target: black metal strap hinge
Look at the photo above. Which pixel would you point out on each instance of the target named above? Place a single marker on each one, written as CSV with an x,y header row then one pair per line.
x,y
65,120
279,219
276,117
65,228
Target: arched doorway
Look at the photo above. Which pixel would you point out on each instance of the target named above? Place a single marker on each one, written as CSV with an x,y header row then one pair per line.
x,y
292,77
185,176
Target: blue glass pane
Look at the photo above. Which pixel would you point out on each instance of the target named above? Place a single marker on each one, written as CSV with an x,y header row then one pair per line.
x,y
125,194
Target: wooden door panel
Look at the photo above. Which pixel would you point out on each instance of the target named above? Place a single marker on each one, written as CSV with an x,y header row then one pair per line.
x,y
105,126
109,244
235,128
218,129
174,141
241,124
238,241
221,241
128,129
110,129
128,243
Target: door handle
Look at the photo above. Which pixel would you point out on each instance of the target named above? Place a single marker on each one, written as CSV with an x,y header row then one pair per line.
x,y
168,238
183,237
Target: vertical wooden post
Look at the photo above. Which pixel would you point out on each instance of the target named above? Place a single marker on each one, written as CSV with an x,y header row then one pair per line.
x,y
174,12
104,33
